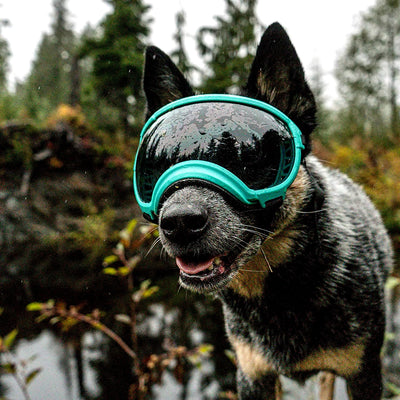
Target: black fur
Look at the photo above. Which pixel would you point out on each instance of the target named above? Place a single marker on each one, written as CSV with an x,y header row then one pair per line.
x,y
304,290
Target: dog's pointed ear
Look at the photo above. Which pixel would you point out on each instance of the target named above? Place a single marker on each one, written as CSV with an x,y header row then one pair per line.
x,y
277,77
162,80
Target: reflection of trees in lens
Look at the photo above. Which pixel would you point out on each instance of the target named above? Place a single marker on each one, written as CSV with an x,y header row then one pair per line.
x,y
227,152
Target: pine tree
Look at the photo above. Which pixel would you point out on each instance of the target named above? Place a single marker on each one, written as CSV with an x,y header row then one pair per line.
x,y
4,55
49,82
316,82
368,71
179,55
229,47
118,59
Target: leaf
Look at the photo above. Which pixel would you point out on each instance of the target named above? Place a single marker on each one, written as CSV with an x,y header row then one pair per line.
x,y
394,389
194,359
145,284
9,368
125,319
97,325
392,283
124,271
50,303
41,318
35,306
10,338
131,225
150,291
110,271
205,349
68,323
55,320
32,375
1,310
110,260
231,355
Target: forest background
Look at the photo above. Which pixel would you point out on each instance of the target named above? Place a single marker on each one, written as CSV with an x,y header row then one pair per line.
x,y
75,120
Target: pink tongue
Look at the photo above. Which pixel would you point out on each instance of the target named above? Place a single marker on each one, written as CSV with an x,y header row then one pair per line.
x,y
192,269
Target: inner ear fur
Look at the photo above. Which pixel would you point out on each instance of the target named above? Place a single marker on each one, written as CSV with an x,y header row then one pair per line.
x,y
162,80
277,77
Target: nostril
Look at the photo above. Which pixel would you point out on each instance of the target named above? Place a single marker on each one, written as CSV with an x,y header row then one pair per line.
x,y
184,222
196,222
168,223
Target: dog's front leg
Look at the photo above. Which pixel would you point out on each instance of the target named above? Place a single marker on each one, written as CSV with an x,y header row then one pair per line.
x,y
367,384
264,388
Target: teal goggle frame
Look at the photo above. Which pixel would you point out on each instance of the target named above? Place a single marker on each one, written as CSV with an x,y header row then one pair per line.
x,y
195,169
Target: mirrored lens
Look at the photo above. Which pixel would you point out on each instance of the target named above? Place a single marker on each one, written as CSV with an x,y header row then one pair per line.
x,y
252,144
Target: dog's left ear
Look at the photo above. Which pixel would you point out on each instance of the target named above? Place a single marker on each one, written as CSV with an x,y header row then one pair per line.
x,y
277,77
162,80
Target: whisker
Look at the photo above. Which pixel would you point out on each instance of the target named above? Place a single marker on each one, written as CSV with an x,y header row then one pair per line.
x,y
238,241
253,228
155,243
179,288
255,232
266,259
312,212
251,270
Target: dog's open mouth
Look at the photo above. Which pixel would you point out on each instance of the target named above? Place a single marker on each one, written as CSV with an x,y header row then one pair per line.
x,y
206,273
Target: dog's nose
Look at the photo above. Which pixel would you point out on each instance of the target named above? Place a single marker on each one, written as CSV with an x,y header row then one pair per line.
x,y
184,223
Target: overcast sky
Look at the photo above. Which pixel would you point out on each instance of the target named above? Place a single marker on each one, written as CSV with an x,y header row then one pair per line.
x,y
318,29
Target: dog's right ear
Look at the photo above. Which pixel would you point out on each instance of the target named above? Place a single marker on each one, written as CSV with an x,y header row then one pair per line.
x,y
162,81
277,77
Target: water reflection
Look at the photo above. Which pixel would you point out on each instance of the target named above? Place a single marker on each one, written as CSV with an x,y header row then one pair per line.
x,y
87,366
59,378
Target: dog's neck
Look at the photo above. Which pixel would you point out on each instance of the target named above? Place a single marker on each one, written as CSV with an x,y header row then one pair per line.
x,y
280,246
276,250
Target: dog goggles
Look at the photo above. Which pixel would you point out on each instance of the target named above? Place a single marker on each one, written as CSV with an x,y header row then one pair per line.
x,y
244,146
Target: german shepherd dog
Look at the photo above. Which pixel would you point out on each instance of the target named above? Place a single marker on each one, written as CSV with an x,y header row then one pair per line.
x,y
301,281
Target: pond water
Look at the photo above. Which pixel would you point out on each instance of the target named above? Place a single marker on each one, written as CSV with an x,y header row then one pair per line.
x,y
85,365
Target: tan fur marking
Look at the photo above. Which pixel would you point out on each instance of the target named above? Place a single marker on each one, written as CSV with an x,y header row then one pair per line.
x,y
264,89
276,249
249,281
345,361
252,362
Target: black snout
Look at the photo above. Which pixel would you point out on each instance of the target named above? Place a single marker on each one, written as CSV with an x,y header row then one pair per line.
x,y
184,223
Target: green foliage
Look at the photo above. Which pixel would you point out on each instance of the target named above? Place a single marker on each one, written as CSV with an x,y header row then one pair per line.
x,y
93,234
117,57
4,55
147,370
377,169
179,55
367,72
49,82
229,47
18,369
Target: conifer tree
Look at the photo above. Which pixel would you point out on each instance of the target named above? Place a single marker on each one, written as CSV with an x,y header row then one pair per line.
x,y
117,56
229,47
4,55
48,83
179,55
368,71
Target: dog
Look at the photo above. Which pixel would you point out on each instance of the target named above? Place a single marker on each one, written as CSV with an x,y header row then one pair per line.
x,y
301,280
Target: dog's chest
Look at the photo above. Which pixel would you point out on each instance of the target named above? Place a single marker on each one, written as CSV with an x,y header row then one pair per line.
x,y
287,344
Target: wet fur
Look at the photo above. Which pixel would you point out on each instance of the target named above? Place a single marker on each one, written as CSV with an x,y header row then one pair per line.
x,y
307,293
